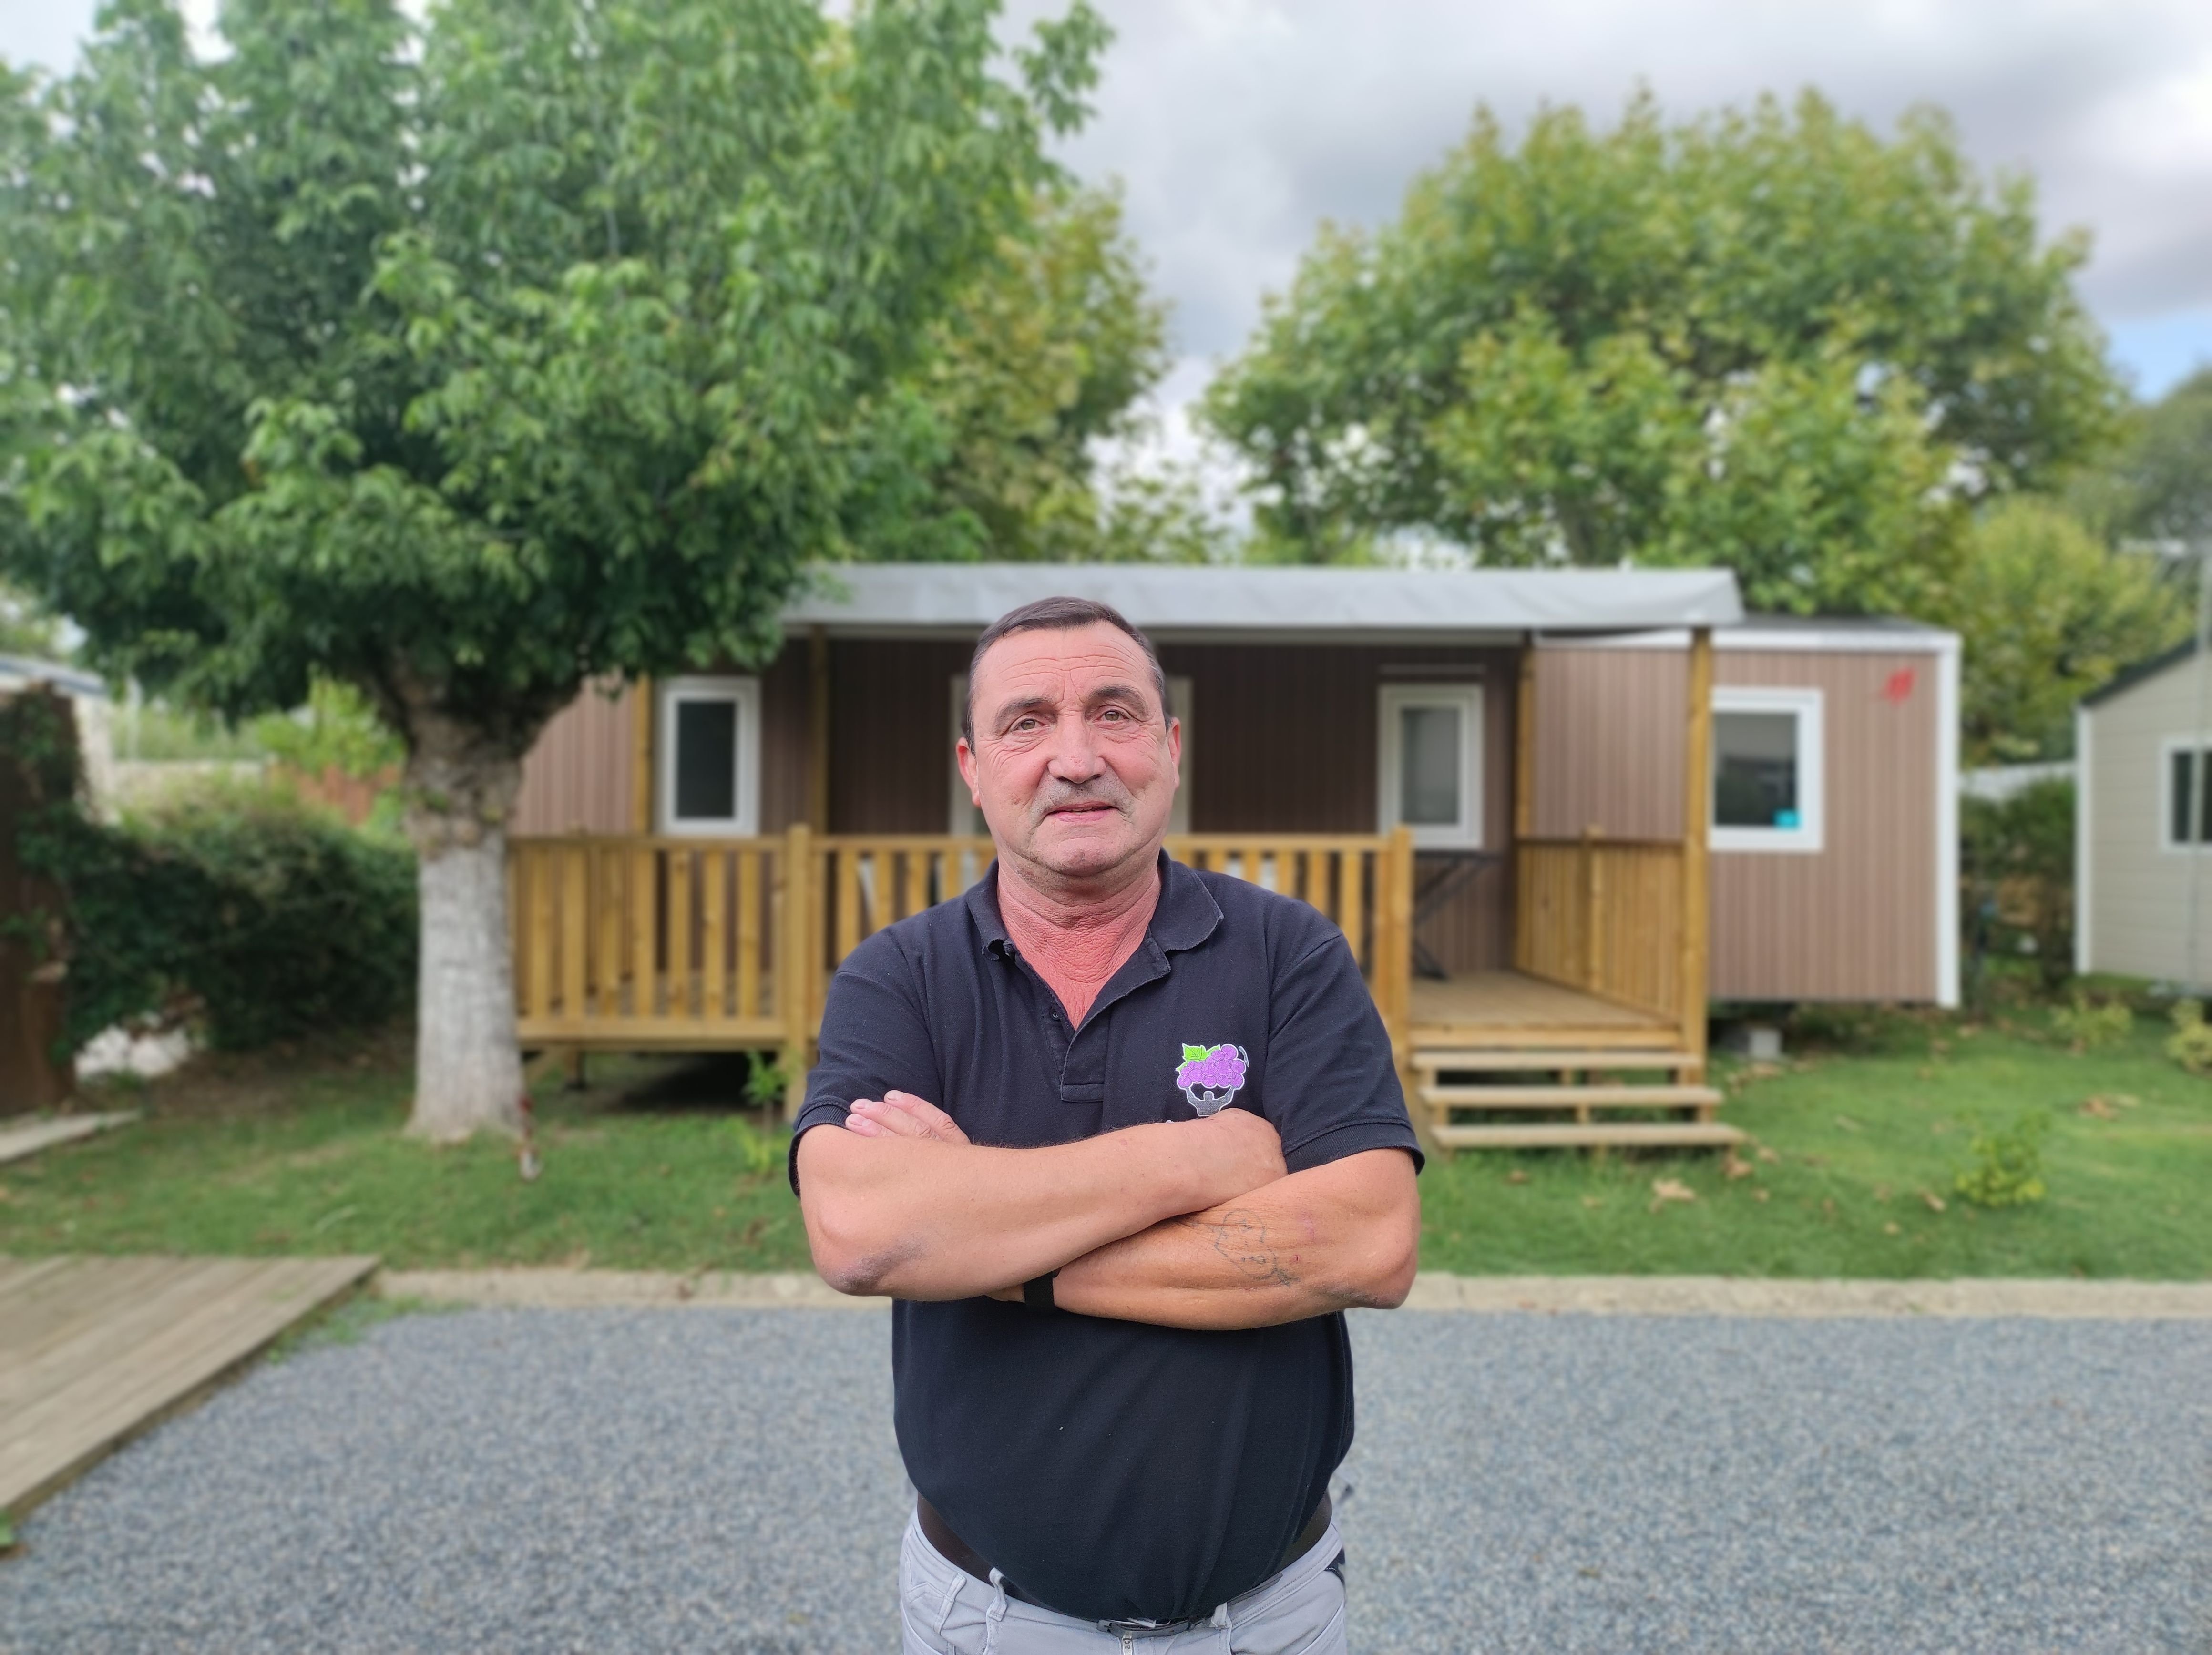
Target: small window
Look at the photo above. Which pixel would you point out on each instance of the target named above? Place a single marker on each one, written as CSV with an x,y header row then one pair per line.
x,y
1432,751
710,756
1767,770
2187,817
967,818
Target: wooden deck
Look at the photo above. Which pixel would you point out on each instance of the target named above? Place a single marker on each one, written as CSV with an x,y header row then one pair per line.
x,y
1510,1009
94,1351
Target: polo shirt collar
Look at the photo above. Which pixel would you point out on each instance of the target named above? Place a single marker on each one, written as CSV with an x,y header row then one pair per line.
x,y
1185,916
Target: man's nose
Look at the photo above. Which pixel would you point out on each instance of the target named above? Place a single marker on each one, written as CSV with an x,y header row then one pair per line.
x,y
1075,755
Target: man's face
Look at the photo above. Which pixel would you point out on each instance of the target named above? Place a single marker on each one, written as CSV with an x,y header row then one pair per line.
x,y
1074,761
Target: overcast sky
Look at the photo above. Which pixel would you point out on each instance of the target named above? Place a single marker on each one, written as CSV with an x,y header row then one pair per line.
x,y
1239,125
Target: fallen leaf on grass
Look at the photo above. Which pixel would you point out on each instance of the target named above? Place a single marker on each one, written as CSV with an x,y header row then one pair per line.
x,y
1924,1073
1593,1200
1934,1201
1893,1229
1766,1154
1881,1192
2098,1109
1664,1189
1735,1166
1847,1124
1517,1176
1758,1195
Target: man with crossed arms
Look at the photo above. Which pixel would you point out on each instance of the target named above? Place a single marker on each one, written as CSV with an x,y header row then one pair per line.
x,y
1123,1140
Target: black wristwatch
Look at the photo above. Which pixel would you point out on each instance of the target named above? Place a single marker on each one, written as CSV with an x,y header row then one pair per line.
x,y
1037,1293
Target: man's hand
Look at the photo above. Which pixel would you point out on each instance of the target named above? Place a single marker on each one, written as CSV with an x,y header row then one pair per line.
x,y
901,1115
1331,1237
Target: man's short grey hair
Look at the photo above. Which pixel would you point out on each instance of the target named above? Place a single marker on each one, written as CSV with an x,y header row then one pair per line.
x,y
1057,615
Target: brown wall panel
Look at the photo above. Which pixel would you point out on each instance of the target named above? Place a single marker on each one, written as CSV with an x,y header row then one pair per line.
x,y
577,779
787,738
1286,741
1855,921
889,734
1609,730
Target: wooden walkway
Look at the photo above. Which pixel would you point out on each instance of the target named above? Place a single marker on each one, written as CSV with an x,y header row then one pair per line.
x,y
94,1351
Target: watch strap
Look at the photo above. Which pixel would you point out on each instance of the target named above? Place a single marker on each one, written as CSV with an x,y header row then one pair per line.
x,y
1036,1292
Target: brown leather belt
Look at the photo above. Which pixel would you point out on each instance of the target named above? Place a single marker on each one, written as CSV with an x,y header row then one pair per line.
x,y
957,1552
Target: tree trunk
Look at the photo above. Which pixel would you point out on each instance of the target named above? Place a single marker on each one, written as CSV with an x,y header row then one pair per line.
x,y
461,784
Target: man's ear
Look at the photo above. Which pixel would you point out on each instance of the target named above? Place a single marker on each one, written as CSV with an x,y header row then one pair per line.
x,y
965,756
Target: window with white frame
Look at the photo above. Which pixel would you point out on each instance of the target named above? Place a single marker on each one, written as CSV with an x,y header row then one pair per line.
x,y
709,779
1768,770
2186,811
1431,752
967,818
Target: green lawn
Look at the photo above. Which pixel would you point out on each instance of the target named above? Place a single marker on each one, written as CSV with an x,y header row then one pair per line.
x,y
300,1152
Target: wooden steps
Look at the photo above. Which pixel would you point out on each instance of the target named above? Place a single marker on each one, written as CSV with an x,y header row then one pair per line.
x,y
1440,1062
1570,1097
1597,1135
1588,1095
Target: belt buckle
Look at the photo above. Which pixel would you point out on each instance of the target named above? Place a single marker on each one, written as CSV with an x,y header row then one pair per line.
x,y
1154,1628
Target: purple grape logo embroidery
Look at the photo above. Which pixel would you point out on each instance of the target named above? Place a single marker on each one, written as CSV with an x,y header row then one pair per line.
x,y
1209,1076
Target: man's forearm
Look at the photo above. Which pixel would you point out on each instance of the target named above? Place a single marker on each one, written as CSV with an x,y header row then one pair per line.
x,y
1328,1238
920,1219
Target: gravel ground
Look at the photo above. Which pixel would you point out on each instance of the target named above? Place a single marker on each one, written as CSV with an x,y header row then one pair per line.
x,y
696,1480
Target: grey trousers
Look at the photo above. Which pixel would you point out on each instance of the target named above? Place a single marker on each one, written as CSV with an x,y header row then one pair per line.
x,y
945,1610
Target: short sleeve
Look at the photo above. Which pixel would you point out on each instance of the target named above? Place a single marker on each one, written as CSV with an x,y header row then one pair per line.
x,y
1332,1087
874,1039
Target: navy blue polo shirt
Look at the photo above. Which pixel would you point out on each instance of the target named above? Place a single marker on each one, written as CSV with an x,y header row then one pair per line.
x,y
1117,1469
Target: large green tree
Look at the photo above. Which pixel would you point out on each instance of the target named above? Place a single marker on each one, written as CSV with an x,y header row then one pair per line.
x,y
463,364
1770,339
2049,612
2158,485
988,447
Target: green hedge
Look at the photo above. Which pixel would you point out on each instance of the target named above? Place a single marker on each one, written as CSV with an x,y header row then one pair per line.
x,y
264,917
278,918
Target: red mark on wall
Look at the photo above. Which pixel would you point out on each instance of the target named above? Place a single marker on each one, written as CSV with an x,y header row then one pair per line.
x,y
1898,686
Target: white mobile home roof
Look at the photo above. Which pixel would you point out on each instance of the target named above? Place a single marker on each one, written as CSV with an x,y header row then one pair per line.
x,y
1435,603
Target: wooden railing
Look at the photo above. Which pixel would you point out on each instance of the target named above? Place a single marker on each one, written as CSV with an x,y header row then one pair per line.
x,y
670,941
625,941
1364,883
1604,916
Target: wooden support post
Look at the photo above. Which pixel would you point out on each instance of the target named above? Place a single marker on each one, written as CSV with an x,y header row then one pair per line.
x,y
1697,851
641,756
1394,952
573,1074
1524,743
1592,973
1524,803
817,716
794,973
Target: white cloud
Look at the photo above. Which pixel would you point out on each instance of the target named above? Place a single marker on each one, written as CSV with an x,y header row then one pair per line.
x,y
1239,125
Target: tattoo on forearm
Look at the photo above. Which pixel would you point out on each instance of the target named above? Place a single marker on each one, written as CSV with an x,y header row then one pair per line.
x,y
1240,1237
